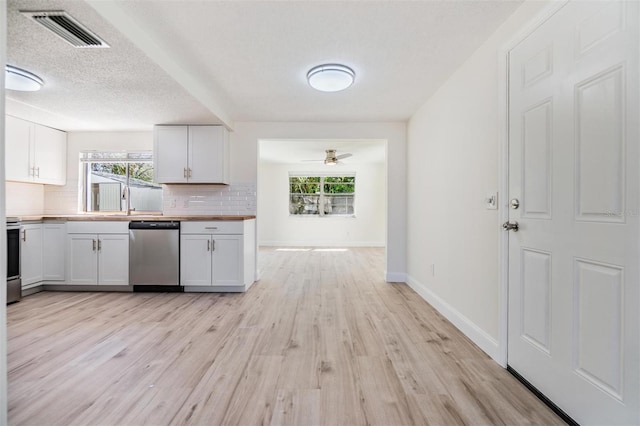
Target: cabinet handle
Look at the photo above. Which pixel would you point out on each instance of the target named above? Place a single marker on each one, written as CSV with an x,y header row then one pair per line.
x,y
24,235
208,245
38,169
213,245
184,172
99,245
210,227
94,245
189,172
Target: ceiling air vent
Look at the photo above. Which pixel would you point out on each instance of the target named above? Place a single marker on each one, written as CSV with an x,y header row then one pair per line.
x,y
67,28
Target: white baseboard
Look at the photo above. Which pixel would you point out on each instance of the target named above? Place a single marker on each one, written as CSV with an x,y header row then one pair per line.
x,y
395,277
478,336
325,244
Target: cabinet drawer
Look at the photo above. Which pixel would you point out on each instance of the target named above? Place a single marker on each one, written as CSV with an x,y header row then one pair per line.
x,y
98,227
217,227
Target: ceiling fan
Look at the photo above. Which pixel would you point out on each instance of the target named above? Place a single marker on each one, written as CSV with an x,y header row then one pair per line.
x,y
331,158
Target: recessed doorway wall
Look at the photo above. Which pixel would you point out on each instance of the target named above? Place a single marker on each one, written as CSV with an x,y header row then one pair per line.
x,y
278,159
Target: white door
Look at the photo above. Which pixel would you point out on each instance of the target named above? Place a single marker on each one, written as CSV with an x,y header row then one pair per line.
x,y
31,254
206,154
227,260
170,154
18,134
53,257
113,259
82,259
50,155
195,260
573,264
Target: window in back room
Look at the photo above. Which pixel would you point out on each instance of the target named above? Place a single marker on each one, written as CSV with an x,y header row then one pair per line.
x,y
320,194
107,178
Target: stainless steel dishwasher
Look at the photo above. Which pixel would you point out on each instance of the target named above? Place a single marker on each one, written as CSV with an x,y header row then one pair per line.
x,y
154,254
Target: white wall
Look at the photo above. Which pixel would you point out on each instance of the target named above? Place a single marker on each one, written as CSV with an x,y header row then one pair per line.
x,y
244,168
453,155
24,199
66,199
366,229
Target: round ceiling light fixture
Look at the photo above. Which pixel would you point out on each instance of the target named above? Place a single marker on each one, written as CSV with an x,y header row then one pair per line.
x,y
18,79
331,77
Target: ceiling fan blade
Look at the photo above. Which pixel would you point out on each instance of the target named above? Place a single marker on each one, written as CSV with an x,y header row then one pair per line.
x,y
312,161
341,156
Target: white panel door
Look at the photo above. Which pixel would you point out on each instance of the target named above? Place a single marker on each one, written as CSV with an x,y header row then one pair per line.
x,y
53,256
50,155
18,134
170,154
573,264
227,260
113,259
206,154
31,254
82,259
195,260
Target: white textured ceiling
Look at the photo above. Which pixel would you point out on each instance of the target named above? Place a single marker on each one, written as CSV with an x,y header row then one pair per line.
x,y
247,60
91,89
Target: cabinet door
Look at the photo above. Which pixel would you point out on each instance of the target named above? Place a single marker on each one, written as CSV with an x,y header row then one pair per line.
x,y
207,154
17,149
82,259
170,154
53,253
113,259
195,260
227,260
50,155
31,262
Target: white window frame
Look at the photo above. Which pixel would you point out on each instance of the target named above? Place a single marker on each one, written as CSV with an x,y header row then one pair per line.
x,y
88,157
322,197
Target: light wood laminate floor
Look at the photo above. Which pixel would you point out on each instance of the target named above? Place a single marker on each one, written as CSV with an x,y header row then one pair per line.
x,y
321,339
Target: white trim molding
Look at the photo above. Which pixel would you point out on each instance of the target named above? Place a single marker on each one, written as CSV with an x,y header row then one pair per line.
x,y
478,336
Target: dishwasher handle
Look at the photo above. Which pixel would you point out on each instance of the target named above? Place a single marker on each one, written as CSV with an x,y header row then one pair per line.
x,y
154,224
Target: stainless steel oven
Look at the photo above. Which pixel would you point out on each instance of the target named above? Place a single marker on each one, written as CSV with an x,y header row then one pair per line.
x,y
14,282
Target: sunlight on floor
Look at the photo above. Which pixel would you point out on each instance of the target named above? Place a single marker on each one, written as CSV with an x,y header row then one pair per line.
x,y
316,249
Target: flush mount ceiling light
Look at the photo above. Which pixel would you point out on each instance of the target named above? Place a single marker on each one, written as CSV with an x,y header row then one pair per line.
x,y
331,77
19,79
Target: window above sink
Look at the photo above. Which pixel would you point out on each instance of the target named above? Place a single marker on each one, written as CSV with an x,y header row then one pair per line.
x,y
119,182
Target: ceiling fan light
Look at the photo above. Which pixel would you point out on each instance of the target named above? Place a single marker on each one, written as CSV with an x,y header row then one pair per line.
x,y
18,79
331,77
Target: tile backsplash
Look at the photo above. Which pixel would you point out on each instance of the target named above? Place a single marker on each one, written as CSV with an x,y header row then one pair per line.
x,y
234,199
24,199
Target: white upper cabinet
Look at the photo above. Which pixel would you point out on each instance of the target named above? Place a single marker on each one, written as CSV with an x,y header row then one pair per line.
x,y
191,154
35,153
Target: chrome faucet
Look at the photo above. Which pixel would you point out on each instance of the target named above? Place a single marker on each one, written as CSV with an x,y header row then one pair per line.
x,y
126,197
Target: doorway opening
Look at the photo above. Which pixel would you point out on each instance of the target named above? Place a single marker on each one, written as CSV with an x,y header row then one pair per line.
x,y
306,199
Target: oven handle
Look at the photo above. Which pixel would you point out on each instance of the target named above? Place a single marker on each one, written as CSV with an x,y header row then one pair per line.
x,y
24,235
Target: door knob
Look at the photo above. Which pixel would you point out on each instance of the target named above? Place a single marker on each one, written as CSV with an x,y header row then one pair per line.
x,y
514,203
508,226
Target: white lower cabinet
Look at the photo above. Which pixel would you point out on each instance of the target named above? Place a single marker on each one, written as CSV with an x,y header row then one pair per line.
x,y
31,246
97,259
217,254
211,260
53,257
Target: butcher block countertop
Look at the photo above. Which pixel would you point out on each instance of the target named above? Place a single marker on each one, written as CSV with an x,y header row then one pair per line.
x,y
120,217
